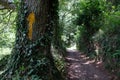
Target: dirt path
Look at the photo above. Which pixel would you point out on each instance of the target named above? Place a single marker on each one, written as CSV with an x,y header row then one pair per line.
x,y
81,68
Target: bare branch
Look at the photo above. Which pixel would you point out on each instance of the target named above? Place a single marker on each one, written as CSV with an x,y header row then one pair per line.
x,y
7,4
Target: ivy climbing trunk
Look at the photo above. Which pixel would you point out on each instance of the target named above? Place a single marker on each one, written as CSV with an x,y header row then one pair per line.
x,y
31,55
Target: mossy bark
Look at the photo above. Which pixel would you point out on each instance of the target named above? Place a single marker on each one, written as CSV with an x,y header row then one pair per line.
x,y
31,54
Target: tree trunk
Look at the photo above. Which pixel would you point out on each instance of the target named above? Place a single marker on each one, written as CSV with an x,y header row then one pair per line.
x,y
31,54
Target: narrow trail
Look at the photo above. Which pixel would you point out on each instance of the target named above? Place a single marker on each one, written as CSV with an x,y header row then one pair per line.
x,y
79,67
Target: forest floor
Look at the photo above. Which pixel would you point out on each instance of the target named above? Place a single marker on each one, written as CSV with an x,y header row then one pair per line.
x,y
80,67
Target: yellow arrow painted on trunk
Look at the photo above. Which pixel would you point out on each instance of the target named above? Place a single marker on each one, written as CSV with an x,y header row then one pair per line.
x,y
31,20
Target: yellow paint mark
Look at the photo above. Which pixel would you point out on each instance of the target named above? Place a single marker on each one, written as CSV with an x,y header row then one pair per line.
x,y
31,20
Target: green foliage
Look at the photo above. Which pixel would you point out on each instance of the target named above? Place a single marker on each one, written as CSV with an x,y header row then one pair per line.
x,y
114,2
80,39
108,39
66,14
40,66
7,35
7,28
98,29
33,77
3,62
90,18
59,62
90,12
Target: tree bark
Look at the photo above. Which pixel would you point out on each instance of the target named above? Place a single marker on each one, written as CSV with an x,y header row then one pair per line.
x,y
32,54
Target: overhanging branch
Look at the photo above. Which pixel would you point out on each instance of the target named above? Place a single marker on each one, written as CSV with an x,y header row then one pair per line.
x,y
7,4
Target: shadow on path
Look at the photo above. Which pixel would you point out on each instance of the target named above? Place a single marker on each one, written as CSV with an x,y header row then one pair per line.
x,y
80,67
